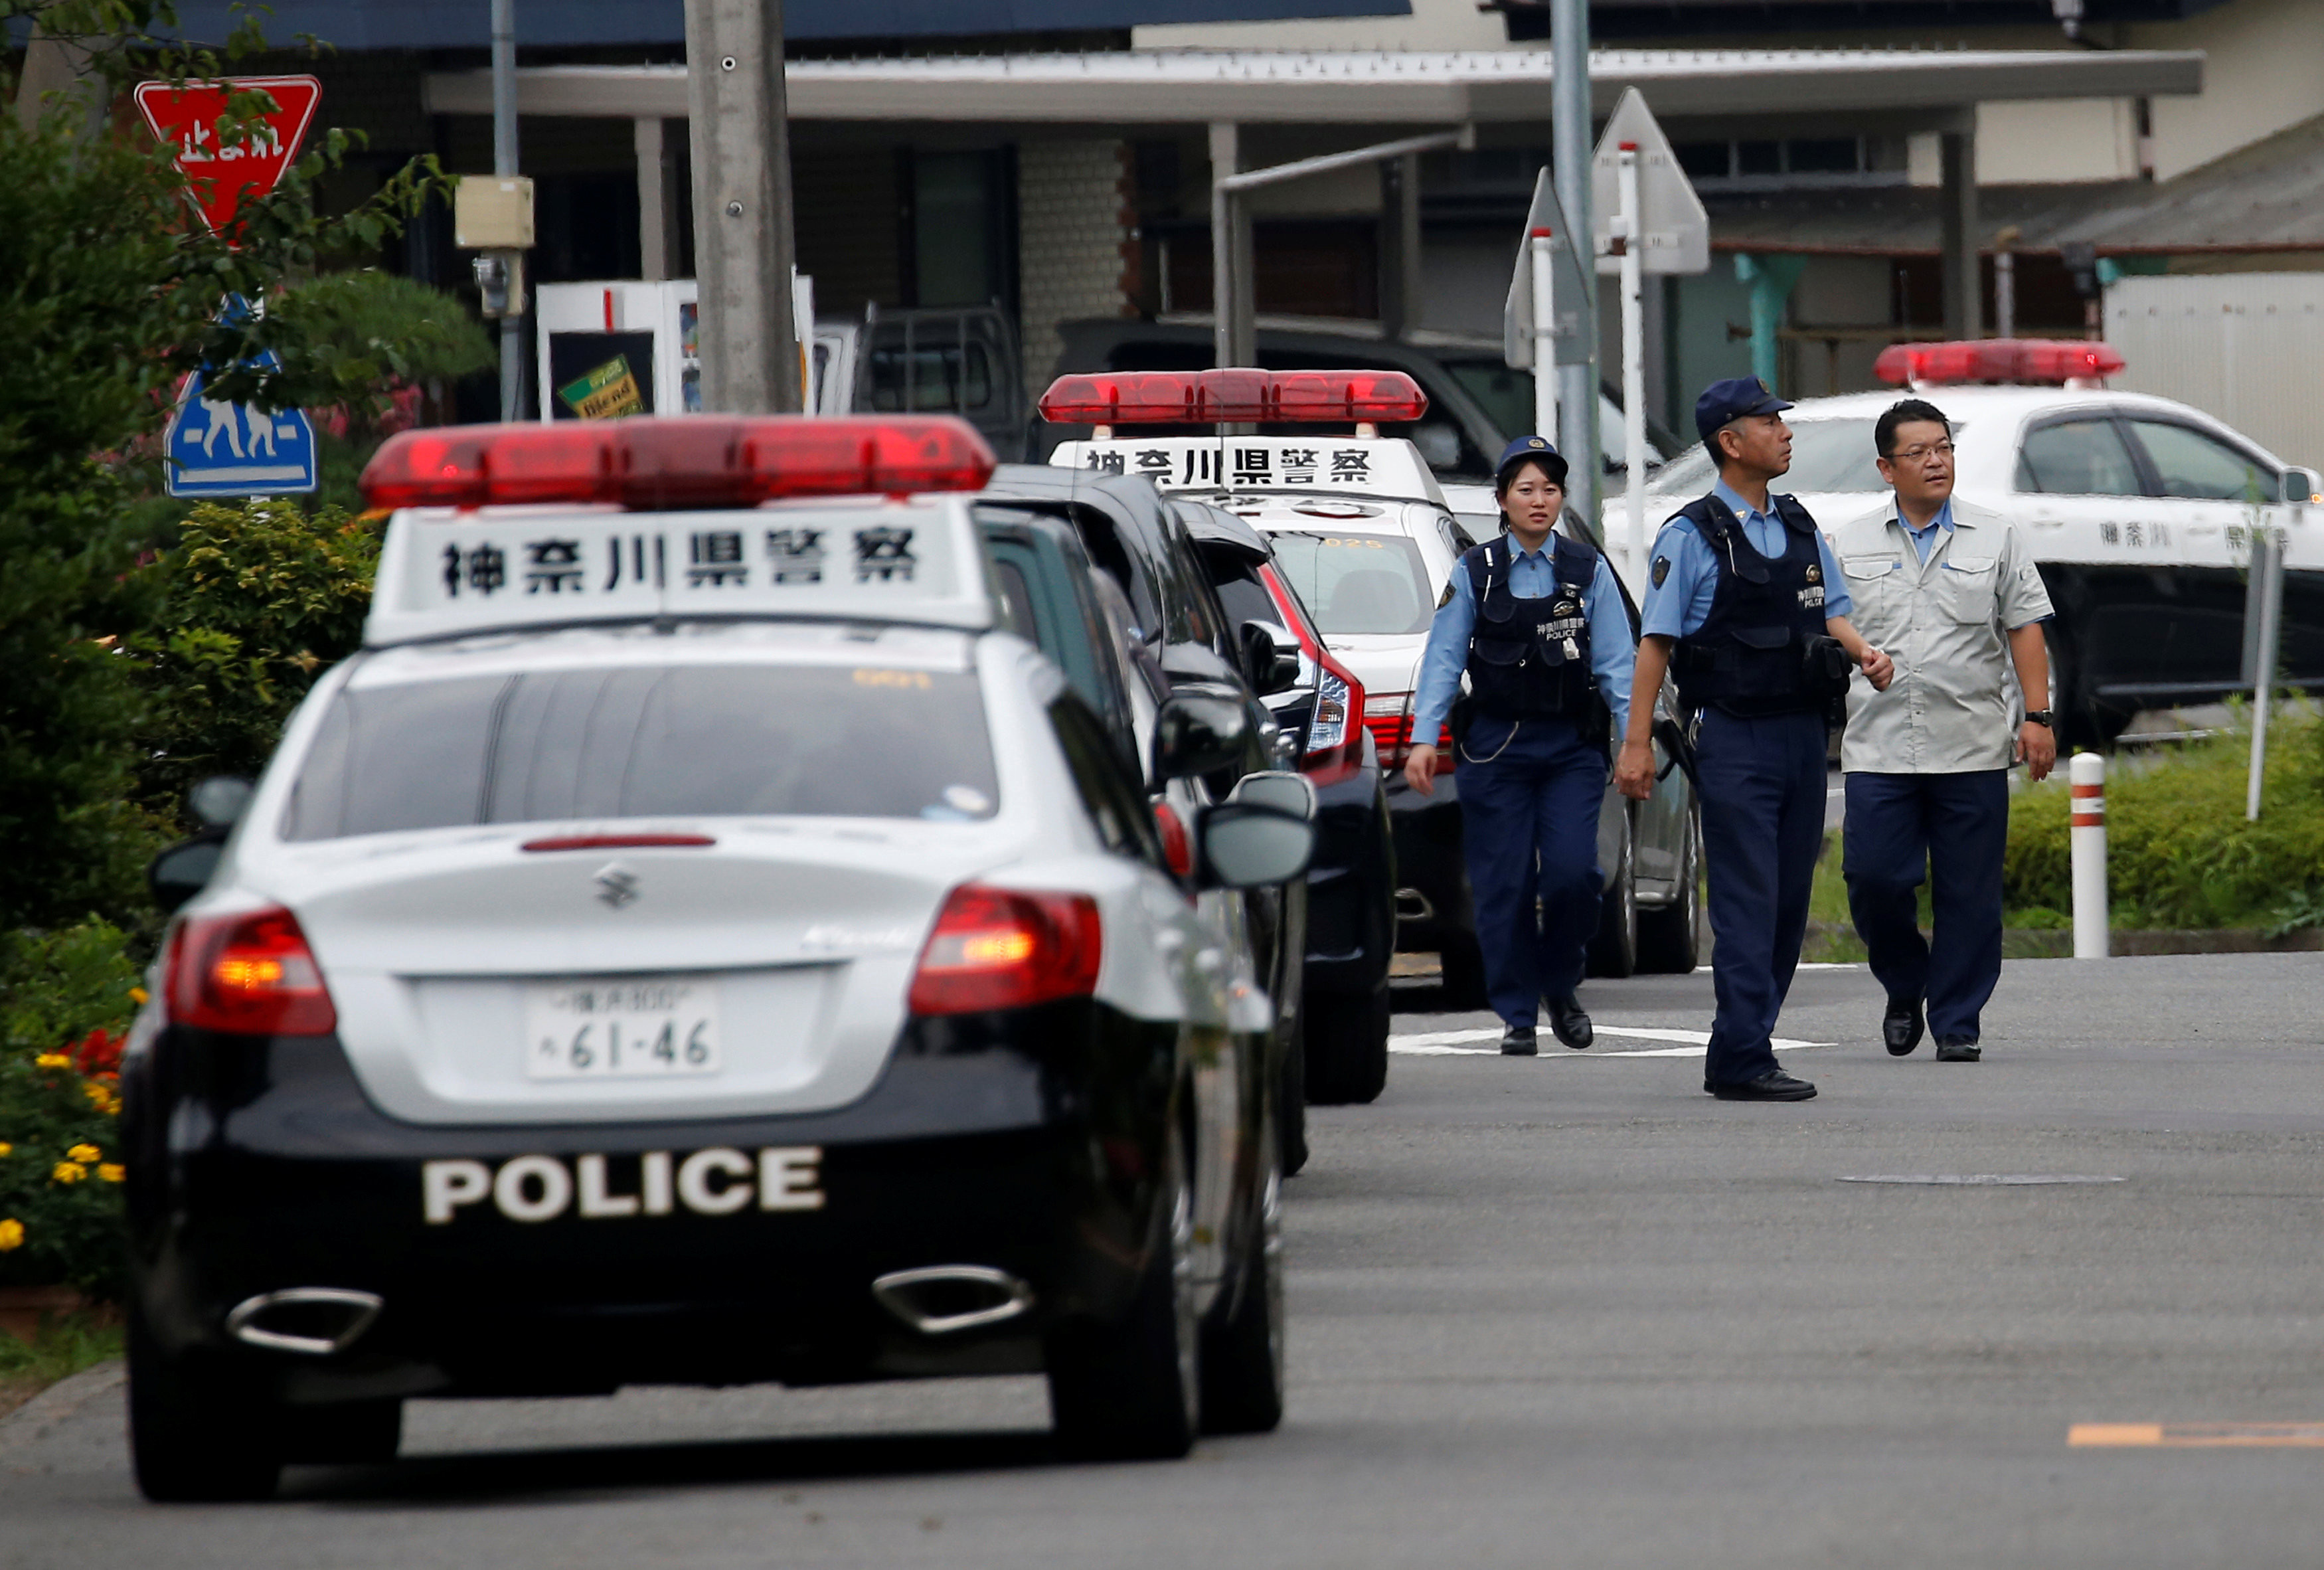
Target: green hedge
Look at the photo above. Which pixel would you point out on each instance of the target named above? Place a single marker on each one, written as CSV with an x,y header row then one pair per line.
x,y
2180,852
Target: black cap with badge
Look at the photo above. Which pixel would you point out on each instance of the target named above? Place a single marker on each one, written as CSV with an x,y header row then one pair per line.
x,y
1534,449
1724,403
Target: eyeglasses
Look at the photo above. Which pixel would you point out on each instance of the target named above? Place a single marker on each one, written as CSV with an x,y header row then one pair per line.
x,y
1913,455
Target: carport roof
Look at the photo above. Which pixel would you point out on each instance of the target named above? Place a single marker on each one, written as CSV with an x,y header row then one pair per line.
x,y
1367,87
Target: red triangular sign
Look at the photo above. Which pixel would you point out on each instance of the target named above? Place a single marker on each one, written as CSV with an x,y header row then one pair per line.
x,y
221,179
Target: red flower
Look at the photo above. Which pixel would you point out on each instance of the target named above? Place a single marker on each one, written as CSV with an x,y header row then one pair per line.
x,y
99,1052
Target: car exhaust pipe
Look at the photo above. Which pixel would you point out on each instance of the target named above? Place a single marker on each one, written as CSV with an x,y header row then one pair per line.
x,y
312,1321
942,1300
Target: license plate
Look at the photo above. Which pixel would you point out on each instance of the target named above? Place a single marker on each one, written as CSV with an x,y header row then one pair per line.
x,y
622,1028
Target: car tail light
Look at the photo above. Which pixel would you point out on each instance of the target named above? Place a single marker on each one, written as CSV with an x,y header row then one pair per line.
x,y
1212,397
1003,948
1335,747
1177,844
689,461
251,973
2041,361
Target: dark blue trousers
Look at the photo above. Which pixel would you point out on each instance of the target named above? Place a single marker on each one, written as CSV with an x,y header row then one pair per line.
x,y
1529,798
1763,808
1955,827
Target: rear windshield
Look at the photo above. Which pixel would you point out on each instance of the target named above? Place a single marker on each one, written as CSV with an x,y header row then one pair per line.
x,y
647,740
1358,583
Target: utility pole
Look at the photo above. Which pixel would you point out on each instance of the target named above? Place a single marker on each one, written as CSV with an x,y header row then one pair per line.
x,y
1577,387
504,166
743,206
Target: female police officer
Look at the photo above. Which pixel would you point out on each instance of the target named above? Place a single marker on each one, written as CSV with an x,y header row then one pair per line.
x,y
1537,623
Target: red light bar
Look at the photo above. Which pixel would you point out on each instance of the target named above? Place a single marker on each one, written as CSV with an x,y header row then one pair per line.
x,y
1212,397
2051,362
655,465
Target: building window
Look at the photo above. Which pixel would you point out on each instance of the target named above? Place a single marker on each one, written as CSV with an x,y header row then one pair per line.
x,y
1800,162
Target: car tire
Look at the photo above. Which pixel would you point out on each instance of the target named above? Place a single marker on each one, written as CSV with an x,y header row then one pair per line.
x,y
1291,1095
1242,1336
1461,971
1131,1390
1614,951
1347,1048
1670,938
197,1433
350,1433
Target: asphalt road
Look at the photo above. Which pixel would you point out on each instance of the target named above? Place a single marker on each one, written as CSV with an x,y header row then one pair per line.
x,y
1561,1312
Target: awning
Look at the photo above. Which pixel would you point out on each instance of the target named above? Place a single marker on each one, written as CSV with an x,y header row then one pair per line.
x,y
1361,87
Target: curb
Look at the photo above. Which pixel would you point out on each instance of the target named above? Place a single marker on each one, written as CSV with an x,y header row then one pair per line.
x,y
2125,943
28,1424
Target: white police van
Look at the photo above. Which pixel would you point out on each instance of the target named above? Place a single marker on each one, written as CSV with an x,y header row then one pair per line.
x,y
2139,510
689,944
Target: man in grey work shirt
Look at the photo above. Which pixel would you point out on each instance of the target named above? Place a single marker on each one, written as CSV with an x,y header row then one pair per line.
x,y
1949,590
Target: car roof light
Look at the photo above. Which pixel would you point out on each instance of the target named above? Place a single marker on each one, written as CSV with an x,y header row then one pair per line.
x,y
2040,362
1233,394
687,461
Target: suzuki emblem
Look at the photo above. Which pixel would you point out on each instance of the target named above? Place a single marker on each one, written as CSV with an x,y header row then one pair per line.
x,y
616,885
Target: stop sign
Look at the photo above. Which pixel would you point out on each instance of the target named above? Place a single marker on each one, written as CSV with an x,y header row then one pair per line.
x,y
221,179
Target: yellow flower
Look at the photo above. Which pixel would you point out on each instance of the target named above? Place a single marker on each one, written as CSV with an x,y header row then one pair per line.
x,y
12,1235
6,1149
113,1171
138,995
97,1093
52,1060
68,1172
84,1153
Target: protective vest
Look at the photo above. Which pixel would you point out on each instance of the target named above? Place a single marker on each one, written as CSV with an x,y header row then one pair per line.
x,y
1529,658
1763,649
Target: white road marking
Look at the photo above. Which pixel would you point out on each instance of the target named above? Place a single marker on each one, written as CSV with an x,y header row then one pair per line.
x,y
1454,1043
1830,964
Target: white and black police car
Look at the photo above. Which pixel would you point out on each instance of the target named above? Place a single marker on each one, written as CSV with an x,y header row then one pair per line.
x,y
688,943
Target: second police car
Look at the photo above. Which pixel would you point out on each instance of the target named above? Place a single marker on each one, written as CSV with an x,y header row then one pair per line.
x,y
689,943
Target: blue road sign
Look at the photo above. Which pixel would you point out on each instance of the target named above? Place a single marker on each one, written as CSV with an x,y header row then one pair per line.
x,y
217,448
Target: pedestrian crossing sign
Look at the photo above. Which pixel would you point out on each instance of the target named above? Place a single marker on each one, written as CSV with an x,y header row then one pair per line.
x,y
217,448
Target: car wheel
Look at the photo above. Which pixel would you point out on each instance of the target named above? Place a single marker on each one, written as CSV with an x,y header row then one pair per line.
x,y
1291,1095
197,1433
1614,951
1462,968
1670,939
1128,1390
1347,1044
1242,1339
351,1433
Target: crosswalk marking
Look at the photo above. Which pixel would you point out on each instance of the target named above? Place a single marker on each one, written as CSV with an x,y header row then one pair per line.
x,y
1455,1043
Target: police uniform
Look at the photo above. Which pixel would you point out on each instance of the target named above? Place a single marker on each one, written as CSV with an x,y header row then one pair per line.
x,y
1746,596
1547,647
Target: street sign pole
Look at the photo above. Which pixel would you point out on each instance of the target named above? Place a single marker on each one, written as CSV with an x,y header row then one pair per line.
x,y
1539,250
1577,390
1633,363
504,166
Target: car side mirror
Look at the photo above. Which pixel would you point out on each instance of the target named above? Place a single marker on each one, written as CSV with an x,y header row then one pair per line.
x,y
2302,485
220,801
1279,790
183,871
1270,665
1195,733
1250,846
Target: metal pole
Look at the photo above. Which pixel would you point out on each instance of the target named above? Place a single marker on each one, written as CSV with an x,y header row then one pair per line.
x,y
1225,156
1540,246
1577,385
1634,366
504,165
750,358
2085,837
2267,587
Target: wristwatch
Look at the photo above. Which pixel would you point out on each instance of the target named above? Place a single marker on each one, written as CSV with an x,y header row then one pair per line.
x,y
2047,718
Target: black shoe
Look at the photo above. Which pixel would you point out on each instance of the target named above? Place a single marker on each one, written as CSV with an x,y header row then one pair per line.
x,y
1901,1026
1956,1051
1569,1023
1516,1041
1773,1086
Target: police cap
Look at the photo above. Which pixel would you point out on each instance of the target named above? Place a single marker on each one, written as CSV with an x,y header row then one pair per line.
x,y
1724,403
1530,449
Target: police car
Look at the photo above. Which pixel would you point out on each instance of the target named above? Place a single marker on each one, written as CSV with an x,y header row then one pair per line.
x,y
689,943
2139,511
1361,529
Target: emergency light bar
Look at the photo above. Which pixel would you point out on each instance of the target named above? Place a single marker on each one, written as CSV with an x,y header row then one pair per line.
x,y
1233,396
2052,362
678,463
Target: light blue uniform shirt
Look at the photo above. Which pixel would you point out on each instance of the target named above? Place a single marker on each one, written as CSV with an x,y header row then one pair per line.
x,y
1533,575
1924,540
1678,597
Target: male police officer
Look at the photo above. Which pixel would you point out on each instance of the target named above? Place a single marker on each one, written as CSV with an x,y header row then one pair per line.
x,y
1743,588
1536,622
1950,589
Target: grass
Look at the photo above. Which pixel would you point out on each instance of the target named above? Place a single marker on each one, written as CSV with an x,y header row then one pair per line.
x,y
66,1344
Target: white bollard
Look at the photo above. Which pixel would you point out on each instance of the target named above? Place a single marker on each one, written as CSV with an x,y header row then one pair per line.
x,y
2088,838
